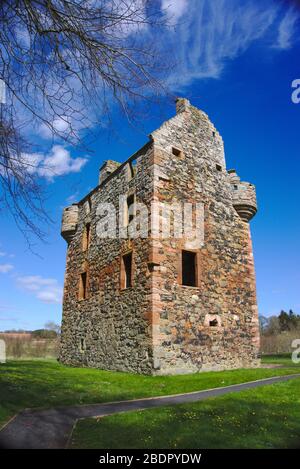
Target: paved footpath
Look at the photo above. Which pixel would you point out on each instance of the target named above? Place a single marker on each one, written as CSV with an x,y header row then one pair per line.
x,y
51,428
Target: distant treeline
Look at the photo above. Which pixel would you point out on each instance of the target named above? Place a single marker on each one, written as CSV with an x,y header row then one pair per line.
x,y
39,343
278,332
38,333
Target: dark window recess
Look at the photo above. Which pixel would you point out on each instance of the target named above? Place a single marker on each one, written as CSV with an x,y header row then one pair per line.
x,y
213,323
176,152
90,204
235,187
88,233
130,207
83,284
189,275
219,167
214,134
82,345
127,262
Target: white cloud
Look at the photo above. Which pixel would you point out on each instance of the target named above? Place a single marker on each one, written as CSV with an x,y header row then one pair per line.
x,y
44,289
57,162
4,268
32,161
133,18
61,125
174,9
211,32
50,296
287,28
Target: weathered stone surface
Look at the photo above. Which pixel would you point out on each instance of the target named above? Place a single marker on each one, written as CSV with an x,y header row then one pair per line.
x,y
159,326
69,222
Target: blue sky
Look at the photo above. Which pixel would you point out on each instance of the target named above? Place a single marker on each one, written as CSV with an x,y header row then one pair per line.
x,y
236,61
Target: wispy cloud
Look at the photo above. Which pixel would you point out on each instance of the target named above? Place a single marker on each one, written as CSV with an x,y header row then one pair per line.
x,y
61,125
174,9
287,29
72,198
6,254
58,162
209,33
4,268
45,289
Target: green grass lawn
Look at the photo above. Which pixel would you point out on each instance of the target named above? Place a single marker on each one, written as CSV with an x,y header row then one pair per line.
x,y
46,383
266,417
278,359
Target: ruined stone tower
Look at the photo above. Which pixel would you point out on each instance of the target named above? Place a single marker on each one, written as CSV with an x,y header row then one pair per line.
x,y
156,306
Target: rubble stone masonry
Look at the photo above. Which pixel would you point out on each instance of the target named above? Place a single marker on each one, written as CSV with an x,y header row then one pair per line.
x,y
158,325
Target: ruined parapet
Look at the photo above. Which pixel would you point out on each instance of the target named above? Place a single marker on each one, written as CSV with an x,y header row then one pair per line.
x,y
69,222
243,196
107,169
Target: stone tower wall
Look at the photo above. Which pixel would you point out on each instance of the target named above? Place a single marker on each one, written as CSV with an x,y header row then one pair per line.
x,y
183,339
112,323
160,326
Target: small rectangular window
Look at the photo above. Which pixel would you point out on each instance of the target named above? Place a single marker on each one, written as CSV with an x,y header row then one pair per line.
x,y
189,268
213,323
176,151
219,167
83,286
126,278
130,208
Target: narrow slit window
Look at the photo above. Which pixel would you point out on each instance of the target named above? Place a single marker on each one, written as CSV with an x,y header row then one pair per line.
x,y
189,268
82,345
127,271
130,208
132,165
83,286
86,236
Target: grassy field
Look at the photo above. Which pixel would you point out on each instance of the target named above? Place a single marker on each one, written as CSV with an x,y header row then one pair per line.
x,y
46,383
266,417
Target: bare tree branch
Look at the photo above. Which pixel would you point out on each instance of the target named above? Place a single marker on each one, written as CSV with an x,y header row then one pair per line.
x,y
65,64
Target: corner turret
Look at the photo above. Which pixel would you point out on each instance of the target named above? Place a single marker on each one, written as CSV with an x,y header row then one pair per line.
x,y
69,222
243,196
